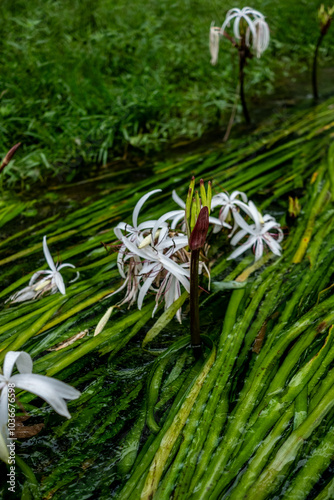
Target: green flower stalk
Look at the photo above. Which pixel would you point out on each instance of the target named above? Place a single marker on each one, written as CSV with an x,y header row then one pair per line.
x,y
197,223
325,16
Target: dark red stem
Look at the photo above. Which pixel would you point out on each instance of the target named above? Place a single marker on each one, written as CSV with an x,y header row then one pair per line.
x,y
194,305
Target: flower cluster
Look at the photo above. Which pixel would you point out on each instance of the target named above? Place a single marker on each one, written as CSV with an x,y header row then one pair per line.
x,y
51,390
248,25
154,255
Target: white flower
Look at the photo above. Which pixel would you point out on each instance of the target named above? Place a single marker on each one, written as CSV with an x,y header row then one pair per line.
x,y
261,41
159,272
260,234
136,234
229,207
51,390
153,256
51,282
257,31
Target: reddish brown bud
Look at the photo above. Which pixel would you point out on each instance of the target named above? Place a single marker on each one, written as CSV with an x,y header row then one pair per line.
x,y
9,156
198,235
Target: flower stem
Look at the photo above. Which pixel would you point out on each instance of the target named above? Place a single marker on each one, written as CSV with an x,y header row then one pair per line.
x,y
314,68
242,62
194,304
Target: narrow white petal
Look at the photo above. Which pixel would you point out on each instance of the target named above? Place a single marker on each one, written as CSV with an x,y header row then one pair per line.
x,y
180,273
37,274
50,389
273,245
258,249
251,25
236,28
22,360
144,289
170,292
59,282
162,234
177,218
240,234
119,289
143,253
139,205
242,248
235,194
243,224
178,200
122,226
65,265
149,224
214,220
47,255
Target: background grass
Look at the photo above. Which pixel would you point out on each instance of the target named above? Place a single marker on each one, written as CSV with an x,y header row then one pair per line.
x,y
81,81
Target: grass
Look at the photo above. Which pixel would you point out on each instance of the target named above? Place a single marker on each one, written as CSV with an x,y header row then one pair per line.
x,y
83,82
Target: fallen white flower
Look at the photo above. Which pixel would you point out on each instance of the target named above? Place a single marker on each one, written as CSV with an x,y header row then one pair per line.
x,y
53,391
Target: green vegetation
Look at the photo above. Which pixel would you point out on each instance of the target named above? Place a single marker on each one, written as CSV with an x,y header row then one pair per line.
x,y
147,415
82,81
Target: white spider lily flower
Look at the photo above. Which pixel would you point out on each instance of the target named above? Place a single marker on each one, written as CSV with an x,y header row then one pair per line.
x,y
53,391
152,268
260,234
238,15
53,272
50,283
214,43
256,32
230,204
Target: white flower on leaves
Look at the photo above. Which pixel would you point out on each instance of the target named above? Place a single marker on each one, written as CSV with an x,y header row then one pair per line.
x,y
264,231
52,281
230,205
251,24
53,391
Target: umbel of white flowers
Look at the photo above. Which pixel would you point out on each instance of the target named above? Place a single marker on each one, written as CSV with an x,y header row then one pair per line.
x,y
154,256
53,391
51,282
248,25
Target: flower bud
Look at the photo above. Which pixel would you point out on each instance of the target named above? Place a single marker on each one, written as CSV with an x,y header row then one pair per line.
x,y
198,234
9,156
